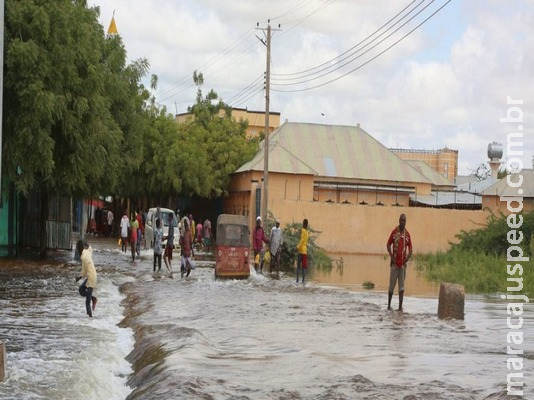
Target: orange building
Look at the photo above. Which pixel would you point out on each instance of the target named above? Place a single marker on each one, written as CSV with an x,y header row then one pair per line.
x,y
256,120
445,160
350,187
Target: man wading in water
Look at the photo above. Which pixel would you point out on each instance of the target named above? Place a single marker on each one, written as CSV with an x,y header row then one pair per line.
x,y
399,241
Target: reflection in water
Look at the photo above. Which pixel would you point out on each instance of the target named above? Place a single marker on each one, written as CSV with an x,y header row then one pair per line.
x,y
358,268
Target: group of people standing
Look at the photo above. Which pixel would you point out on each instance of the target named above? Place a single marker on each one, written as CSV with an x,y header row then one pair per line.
x,y
275,242
399,247
187,238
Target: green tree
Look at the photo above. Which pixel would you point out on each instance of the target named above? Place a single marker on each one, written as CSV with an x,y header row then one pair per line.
x,y
217,140
70,103
192,159
56,116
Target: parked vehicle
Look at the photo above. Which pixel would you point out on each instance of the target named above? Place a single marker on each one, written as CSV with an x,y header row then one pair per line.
x,y
151,225
232,247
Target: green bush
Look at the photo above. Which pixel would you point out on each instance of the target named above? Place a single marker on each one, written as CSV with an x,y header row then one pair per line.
x,y
317,257
493,239
478,261
368,285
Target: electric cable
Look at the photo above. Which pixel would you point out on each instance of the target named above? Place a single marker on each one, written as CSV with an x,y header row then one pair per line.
x,y
368,61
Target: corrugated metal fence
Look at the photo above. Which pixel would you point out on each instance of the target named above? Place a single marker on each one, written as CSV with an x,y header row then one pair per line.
x,y
58,223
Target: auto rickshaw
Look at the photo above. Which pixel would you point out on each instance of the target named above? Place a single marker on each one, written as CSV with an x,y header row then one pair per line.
x,y
232,247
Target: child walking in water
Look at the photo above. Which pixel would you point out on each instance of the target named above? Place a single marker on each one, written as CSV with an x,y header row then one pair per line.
x,y
158,240
89,273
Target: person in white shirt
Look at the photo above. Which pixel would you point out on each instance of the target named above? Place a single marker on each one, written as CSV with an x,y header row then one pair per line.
x,y
110,222
125,227
275,248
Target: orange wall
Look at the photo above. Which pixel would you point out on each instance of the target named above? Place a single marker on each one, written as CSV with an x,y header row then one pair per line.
x,y
349,228
496,206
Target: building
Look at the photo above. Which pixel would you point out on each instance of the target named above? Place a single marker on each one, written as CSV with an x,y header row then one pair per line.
x,y
496,197
330,163
256,120
445,160
350,187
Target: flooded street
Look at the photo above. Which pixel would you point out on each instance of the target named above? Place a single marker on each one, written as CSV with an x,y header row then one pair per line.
x,y
358,268
197,338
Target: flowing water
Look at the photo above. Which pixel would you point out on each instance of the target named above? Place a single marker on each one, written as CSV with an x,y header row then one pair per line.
x,y
261,338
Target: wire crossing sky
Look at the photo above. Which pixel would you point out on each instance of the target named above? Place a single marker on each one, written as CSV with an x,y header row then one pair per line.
x,y
414,73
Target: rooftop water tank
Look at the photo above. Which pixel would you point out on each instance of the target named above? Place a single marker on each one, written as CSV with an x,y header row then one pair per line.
x,y
495,151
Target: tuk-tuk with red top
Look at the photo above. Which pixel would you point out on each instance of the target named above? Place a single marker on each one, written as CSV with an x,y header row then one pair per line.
x,y
232,247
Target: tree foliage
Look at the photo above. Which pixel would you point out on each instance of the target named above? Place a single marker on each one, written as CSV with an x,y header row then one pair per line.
x,y
61,78
317,256
217,140
194,158
79,121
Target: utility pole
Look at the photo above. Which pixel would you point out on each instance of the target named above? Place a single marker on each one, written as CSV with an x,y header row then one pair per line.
x,y
267,44
2,15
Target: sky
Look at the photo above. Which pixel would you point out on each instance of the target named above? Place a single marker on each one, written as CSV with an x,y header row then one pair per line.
x,y
417,74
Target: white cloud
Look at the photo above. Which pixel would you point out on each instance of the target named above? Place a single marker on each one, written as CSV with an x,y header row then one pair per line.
x,y
446,84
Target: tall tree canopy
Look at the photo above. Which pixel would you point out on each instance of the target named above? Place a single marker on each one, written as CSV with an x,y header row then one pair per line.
x,y
70,100
78,120
194,158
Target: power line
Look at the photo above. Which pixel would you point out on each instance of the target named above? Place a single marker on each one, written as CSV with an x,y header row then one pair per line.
x,y
250,91
329,62
368,61
338,66
172,90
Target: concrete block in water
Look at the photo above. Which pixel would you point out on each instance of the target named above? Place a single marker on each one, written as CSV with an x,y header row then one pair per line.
x,y
451,301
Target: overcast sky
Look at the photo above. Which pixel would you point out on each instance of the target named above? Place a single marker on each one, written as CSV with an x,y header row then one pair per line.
x,y
442,84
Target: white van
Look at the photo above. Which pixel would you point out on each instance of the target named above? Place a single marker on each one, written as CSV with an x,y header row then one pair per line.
x,y
151,225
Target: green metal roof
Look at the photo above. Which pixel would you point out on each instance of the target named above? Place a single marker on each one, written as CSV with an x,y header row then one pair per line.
x,y
332,151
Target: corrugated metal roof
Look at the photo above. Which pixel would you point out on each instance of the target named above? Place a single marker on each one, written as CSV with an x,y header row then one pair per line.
x,y
448,198
332,150
280,160
463,179
476,186
502,188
